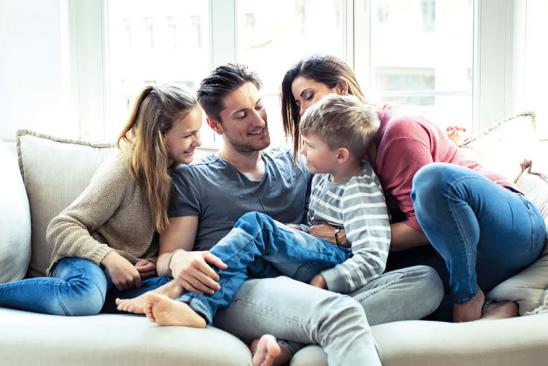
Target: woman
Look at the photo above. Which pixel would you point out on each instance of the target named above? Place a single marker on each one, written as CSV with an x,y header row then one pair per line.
x,y
480,224
105,237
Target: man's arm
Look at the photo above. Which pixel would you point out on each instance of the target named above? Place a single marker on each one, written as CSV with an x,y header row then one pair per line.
x,y
191,269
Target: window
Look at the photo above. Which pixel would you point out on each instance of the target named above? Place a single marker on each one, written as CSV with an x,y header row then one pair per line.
x,y
421,57
417,54
273,35
150,43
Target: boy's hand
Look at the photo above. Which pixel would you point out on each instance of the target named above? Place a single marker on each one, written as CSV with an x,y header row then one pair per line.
x,y
193,272
123,274
318,281
146,268
327,232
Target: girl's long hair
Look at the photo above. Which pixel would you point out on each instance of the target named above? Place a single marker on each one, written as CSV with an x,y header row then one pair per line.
x,y
143,143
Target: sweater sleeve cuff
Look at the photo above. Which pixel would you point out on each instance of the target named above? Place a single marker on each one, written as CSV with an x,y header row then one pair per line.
x,y
335,280
99,253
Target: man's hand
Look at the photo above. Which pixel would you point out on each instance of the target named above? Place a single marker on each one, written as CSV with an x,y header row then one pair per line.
x,y
123,274
193,272
146,268
318,281
327,232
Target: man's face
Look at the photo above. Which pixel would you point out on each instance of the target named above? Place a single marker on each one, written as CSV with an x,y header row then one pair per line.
x,y
244,120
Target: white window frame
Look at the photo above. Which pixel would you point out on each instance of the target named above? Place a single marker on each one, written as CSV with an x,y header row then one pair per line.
x,y
497,65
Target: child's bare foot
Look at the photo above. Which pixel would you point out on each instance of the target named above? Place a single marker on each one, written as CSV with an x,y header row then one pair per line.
x,y
137,304
267,352
501,310
470,310
164,311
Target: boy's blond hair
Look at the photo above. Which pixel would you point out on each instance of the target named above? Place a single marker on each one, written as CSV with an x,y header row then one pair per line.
x,y
342,121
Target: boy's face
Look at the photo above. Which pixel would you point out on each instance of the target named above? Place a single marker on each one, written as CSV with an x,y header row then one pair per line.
x,y
319,157
244,122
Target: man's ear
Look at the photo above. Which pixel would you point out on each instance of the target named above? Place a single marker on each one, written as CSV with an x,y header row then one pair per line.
x,y
343,154
342,87
215,126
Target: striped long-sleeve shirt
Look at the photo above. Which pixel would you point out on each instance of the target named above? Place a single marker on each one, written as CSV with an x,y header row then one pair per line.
x,y
358,206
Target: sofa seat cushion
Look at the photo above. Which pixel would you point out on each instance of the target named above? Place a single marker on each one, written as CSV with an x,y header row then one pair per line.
x,y
506,342
55,171
14,220
111,339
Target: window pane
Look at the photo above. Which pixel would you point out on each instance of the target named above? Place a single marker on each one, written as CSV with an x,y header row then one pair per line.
x,y
273,35
421,57
153,42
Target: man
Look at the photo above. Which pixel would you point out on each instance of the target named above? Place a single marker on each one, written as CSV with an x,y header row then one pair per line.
x,y
207,199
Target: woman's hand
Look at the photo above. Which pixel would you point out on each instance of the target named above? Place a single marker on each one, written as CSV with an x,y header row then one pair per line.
x,y
122,273
193,272
327,232
146,268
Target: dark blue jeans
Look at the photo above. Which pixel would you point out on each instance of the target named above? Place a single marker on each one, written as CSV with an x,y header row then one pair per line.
x,y
484,232
261,247
76,286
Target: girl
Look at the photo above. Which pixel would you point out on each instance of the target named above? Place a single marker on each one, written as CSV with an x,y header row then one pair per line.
x,y
477,221
105,237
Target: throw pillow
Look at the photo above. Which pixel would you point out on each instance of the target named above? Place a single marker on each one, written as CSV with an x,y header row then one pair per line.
x,y
14,220
55,171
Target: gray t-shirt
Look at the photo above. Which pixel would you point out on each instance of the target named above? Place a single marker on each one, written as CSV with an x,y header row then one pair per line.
x,y
219,195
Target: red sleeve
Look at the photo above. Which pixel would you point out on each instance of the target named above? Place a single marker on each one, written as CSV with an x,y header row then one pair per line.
x,y
405,149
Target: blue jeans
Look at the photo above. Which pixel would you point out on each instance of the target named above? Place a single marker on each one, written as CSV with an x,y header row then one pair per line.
x,y
76,286
255,241
484,232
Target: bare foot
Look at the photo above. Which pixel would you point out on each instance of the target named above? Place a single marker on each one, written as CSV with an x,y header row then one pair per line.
x,y
165,311
501,310
137,304
470,310
267,352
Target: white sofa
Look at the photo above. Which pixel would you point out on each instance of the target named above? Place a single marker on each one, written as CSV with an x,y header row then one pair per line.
x,y
54,171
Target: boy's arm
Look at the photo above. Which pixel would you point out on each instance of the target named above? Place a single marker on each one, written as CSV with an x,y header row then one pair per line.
x,y
368,230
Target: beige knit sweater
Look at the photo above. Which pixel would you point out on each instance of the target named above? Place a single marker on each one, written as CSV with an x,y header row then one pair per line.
x,y
112,213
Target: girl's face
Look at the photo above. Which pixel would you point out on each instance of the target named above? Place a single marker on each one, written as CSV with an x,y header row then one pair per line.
x,y
184,137
308,91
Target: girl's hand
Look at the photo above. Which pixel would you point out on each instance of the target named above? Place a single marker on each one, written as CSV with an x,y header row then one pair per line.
x,y
293,226
146,268
123,274
193,272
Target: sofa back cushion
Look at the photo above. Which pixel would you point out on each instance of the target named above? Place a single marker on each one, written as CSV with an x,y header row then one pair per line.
x,y
14,220
55,171
503,147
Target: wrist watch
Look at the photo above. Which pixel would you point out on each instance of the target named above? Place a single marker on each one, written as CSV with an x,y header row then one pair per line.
x,y
337,231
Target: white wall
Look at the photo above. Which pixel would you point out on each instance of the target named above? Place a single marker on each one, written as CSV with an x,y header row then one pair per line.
x,y
33,72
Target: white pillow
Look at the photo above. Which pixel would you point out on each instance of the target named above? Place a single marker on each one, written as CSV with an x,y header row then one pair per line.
x,y
14,220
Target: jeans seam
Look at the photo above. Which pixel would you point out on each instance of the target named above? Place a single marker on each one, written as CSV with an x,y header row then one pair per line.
x,y
376,289
452,186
